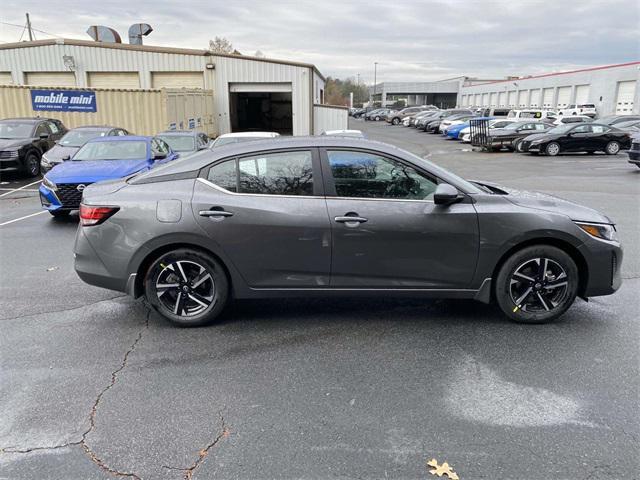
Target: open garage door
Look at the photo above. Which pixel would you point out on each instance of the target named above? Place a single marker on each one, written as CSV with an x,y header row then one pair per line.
x,y
624,98
261,107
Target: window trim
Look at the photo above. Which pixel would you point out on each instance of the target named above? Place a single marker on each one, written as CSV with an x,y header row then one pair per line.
x,y
318,180
330,187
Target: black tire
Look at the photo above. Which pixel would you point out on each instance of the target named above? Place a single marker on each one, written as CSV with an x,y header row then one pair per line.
x,y
547,298
552,149
517,145
59,213
32,164
395,121
612,148
196,265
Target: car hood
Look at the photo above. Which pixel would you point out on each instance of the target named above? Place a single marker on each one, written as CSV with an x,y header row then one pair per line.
x,y
58,152
548,203
6,143
95,171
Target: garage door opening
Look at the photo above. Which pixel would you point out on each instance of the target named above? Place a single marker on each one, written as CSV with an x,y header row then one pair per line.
x,y
261,111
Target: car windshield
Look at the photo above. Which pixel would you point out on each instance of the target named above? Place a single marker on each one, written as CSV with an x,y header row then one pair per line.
x,y
561,128
10,130
122,150
77,138
228,140
179,143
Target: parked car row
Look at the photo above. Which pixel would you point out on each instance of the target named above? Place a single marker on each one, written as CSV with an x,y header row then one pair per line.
x,y
532,131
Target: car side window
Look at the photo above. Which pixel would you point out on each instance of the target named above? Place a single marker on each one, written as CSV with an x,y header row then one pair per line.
x,y
599,128
539,126
286,173
582,129
42,129
225,175
367,175
158,146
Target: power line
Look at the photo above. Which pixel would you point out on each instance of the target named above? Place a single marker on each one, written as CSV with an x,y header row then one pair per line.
x,y
34,29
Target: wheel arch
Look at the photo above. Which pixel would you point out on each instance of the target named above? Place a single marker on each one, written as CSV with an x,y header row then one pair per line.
x,y
568,248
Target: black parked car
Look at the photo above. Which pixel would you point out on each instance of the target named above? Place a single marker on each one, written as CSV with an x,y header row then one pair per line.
x,y
511,136
185,141
585,137
634,151
24,140
615,119
72,141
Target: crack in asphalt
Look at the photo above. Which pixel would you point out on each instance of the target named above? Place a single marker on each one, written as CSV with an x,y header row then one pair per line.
x,y
62,310
202,453
92,416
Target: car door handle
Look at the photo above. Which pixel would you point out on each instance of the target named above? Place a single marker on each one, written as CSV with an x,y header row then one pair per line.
x,y
214,213
348,219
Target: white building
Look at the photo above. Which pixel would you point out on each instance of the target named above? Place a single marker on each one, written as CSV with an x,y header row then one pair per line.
x,y
248,92
613,89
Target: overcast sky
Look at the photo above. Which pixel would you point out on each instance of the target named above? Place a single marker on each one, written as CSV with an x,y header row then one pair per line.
x,y
411,40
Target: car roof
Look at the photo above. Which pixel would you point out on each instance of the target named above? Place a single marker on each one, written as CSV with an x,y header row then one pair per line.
x,y
26,119
93,127
123,138
250,134
180,133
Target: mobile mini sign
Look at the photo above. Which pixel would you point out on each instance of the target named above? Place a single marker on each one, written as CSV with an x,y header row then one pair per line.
x,y
64,101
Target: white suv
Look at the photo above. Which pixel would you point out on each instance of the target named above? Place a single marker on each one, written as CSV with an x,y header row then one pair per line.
x,y
588,109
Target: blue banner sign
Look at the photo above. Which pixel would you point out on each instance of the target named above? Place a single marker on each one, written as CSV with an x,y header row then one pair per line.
x,y
64,100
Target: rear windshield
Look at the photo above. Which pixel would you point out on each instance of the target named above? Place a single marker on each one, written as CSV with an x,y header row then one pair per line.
x,y
77,138
179,143
128,150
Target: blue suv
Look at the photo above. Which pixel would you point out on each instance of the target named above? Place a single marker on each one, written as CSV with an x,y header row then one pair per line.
x,y
103,158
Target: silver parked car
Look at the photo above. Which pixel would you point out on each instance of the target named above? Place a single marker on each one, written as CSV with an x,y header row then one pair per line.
x,y
330,216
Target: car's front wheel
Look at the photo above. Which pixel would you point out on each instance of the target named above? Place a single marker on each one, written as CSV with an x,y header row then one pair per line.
x,y
552,149
32,164
517,146
188,287
537,284
612,148
395,121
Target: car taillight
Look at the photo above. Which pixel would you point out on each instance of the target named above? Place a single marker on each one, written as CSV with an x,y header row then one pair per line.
x,y
90,215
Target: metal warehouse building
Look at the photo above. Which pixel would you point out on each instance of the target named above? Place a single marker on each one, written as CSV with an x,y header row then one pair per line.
x,y
613,89
249,93
441,94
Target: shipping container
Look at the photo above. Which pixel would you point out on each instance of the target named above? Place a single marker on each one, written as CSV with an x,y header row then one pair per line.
x,y
141,111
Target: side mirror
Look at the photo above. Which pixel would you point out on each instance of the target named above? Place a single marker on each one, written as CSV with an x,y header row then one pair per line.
x,y
44,136
66,157
159,156
445,194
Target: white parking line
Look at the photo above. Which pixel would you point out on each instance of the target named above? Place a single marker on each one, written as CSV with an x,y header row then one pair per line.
x,y
12,189
22,218
16,189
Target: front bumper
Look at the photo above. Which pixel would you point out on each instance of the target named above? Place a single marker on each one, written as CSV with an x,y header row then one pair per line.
x,y
634,153
604,261
49,199
10,164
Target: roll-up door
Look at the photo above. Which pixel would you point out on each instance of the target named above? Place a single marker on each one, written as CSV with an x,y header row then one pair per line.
x,y
564,97
534,100
547,98
522,98
501,99
114,79
485,99
624,98
492,99
177,80
582,94
5,78
50,79
512,98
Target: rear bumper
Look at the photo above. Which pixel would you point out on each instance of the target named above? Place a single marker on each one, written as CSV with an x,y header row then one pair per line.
x,y
90,267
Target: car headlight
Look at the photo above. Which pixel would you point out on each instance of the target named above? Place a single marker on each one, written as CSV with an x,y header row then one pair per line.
x,y
604,231
49,184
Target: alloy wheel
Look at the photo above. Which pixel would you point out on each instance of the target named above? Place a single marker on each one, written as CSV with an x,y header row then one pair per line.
x,y
613,148
538,285
553,149
185,288
33,165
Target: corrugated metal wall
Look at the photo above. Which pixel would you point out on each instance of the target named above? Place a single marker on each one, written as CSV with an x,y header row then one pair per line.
x,y
230,70
326,117
144,112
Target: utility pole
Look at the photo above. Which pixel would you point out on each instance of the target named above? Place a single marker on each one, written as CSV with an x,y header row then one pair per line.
x,y
29,28
375,80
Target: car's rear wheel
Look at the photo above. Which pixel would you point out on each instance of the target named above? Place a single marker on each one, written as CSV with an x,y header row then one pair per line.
x,y
32,164
517,146
552,149
188,287
612,148
537,284
377,119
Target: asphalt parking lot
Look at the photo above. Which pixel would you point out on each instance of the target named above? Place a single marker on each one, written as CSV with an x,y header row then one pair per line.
x,y
94,385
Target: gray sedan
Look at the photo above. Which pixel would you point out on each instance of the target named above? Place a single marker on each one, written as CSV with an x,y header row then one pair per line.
x,y
328,216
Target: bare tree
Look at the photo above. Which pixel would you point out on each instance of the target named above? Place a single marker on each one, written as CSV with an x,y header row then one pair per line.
x,y
258,54
221,45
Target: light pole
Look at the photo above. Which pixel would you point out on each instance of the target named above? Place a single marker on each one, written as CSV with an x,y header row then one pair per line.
x,y
375,80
